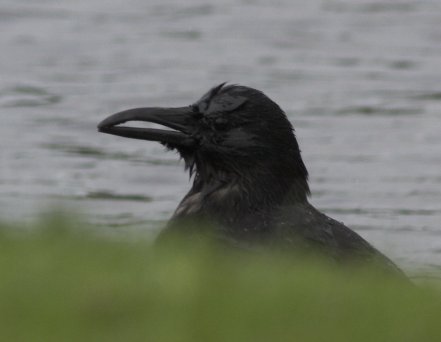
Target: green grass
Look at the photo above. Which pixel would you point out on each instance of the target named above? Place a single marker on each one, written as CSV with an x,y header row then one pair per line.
x,y
61,283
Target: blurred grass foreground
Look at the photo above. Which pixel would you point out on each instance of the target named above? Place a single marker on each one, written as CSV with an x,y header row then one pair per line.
x,y
60,284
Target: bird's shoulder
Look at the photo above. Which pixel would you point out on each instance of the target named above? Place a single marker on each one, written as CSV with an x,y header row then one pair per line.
x,y
304,221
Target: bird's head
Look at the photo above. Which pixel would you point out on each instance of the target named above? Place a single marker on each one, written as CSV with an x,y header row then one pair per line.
x,y
231,131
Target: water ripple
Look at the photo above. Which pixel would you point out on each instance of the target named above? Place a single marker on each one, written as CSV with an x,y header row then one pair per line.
x,y
27,96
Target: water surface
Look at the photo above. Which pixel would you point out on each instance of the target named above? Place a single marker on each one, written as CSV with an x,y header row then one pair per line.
x,y
360,80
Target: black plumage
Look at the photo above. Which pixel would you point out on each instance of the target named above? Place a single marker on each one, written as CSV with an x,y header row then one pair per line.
x,y
250,184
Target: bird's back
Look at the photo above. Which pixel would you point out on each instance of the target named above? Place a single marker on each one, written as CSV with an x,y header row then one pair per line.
x,y
301,224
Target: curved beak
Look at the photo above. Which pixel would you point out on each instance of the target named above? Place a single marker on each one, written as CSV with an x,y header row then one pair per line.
x,y
180,120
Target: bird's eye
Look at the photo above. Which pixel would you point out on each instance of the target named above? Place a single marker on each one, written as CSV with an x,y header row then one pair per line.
x,y
220,123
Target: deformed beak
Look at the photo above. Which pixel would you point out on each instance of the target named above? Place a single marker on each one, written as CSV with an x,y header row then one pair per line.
x,y
181,120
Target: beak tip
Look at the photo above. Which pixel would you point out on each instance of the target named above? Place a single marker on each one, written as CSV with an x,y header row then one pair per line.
x,y
111,121
103,125
105,129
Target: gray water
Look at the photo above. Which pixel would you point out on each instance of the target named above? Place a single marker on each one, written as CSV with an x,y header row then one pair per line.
x,y
360,81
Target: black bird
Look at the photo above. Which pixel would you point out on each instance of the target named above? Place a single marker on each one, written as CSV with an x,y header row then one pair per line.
x,y
250,182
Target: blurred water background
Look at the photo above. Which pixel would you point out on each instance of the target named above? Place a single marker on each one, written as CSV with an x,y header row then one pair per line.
x,y
360,80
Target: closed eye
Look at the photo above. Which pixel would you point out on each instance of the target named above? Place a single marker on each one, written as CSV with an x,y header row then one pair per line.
x,y
220,123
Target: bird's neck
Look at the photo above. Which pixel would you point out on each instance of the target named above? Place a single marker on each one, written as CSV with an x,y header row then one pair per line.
x,y
231,197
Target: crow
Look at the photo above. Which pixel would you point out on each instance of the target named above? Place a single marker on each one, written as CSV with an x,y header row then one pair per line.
x,y
250,185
